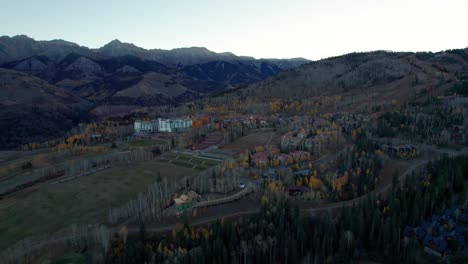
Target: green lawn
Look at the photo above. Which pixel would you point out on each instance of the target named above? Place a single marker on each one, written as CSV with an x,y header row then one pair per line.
x,y
189,161
146,142
74,258
48,208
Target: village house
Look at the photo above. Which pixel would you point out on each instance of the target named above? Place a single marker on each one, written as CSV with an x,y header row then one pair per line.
x,y
405,150
270,174
295,190
316,144
184,201
300,155
260,159
285,159
436,246
303,173
443,234
458,135
314,141
253,122
293,140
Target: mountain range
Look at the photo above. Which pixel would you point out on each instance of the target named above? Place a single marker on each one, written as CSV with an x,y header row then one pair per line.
x,y
115,77
122,73
47,87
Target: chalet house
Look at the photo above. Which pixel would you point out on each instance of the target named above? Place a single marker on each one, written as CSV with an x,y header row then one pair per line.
x,y
284,159
162,125
444,233
319,123
300,155
295,190
399,150
315,144
182,203
96,137
303,173
256,122
437,246
270,174
312,143
292,140
415,232
260,159
249,122
459,135
185,201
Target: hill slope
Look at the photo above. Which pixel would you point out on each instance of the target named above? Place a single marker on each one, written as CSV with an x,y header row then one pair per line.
x,y
362,80
34,110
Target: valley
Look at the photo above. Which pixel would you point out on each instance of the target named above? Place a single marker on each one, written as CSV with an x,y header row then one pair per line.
x,y
122,154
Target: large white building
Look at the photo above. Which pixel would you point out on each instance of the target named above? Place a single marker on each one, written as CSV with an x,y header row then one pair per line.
x,y
162,125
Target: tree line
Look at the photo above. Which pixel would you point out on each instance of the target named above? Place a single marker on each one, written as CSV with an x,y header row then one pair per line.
x,y
371,229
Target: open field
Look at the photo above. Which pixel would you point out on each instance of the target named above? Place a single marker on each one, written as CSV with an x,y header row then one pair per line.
x,y
189,161
20,167
146,142
13,173
46,208
252,140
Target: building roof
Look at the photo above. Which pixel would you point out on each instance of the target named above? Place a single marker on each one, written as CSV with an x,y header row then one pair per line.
x,y
303,173
437,243
294,188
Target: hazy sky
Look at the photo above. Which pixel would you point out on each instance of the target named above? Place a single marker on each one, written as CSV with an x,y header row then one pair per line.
x,y
270,28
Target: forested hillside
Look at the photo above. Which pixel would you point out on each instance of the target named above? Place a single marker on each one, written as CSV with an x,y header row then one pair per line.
x,y
369,230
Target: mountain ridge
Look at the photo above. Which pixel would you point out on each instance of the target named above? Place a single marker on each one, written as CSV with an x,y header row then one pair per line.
x,y
98,74
118,48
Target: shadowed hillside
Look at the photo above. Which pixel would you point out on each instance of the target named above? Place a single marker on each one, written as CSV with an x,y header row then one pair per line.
x,y
109,75
359,79
34,110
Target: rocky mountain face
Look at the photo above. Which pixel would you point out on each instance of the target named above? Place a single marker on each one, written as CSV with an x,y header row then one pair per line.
x,y
182,57
22,47
109,75
49,86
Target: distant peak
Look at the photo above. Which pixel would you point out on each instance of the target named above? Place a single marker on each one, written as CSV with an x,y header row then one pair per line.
x,y
115,41
21,37
119,44
193,48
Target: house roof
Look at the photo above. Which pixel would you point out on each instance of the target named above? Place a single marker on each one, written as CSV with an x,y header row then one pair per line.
x,y
270,173
294,188
438,243
304,172
261,156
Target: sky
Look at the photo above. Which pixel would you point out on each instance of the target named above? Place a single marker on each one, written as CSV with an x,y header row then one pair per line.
x,y
312,29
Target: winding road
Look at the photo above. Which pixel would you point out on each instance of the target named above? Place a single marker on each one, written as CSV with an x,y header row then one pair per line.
x,y
161,228
158,228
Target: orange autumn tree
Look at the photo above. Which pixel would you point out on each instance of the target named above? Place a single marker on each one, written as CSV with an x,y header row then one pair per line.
x,y
276,106
343,181
314,183
200,121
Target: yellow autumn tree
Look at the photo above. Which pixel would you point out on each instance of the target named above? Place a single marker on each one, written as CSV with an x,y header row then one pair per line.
x,y
276,106
299,183
315,183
